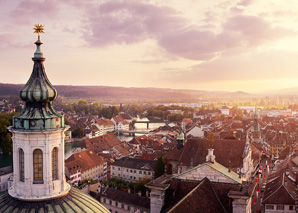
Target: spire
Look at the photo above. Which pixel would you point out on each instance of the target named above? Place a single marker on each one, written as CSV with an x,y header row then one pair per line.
x,y
256,126
180,140
38,28
38,93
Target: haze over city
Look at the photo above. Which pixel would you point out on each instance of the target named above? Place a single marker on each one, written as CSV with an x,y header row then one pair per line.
x,y
242,45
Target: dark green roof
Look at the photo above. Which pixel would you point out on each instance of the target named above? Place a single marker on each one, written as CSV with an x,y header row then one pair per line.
x,y
74,201
38,93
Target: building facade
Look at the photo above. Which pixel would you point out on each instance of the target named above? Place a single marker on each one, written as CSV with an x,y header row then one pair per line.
x,y
132,169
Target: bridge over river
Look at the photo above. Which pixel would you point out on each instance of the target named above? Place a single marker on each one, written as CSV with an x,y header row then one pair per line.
x,y
149,122
132,132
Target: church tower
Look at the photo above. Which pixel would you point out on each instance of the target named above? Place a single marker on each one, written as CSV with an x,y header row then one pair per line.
x,y
256,129
39,183
180,140
38,138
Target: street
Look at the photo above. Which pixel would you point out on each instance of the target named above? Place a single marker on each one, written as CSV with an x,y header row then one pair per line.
x,y
261,178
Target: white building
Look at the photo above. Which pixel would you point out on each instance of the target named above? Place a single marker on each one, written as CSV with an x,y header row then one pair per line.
x,y
6,177
225,110
132,169
118,201
90,166
195,131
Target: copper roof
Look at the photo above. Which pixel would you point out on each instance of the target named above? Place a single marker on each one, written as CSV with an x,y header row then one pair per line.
x,y
74,201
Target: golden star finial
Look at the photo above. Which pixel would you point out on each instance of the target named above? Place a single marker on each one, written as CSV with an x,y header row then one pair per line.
x,y
38,28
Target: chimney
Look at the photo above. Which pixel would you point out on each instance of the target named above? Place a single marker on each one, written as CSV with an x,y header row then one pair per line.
x,y
210,157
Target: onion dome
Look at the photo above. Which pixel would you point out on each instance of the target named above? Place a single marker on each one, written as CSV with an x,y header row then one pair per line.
x,y
38,88
38,93
74,201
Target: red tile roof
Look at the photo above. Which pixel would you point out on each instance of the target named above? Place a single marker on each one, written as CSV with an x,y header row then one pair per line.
x,y
102,143
227,152
86,159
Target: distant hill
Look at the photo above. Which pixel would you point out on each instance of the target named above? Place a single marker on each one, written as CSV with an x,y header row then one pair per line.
x,y
130,93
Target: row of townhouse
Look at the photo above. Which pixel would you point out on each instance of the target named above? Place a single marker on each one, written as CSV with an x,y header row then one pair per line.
x,y
118,201
85,165
281,189
132,169
94,126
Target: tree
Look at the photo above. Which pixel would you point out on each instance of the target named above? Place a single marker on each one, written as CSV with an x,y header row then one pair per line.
x,y
140,186
5,135
159,168
78,132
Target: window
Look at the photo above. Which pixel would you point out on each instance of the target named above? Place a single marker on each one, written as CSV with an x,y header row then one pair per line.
x,y
110,210
122,205
110,202
116,203
144,173
119,169
149,173
140,172
128,208
104,200
55,163
280,207
127,170
37,166
130,171
21,162
134,171
269,207
291,207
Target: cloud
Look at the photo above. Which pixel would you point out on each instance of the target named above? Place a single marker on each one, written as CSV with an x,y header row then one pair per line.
x,y
245,2
128,22
239,67
6,40
118,22
254,30
28,10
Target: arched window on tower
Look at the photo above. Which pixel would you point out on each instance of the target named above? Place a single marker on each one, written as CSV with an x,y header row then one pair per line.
x,y
21,164
37,166
55,163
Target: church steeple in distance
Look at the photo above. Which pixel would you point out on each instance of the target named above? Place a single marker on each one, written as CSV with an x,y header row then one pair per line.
x,y
256,125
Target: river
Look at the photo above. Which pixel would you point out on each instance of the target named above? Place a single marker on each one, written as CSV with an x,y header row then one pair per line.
x,y
140,126
6,160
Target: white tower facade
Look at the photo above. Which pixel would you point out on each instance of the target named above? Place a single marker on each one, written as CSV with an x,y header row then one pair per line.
x,y
38,139
39,168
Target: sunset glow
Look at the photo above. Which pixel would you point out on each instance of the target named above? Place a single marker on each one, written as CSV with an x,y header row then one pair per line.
x,y
243,45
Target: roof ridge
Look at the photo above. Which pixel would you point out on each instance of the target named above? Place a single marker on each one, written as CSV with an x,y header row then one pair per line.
x,y
272,193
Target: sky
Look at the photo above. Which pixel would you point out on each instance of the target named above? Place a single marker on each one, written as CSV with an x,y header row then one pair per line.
x,y
233,45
